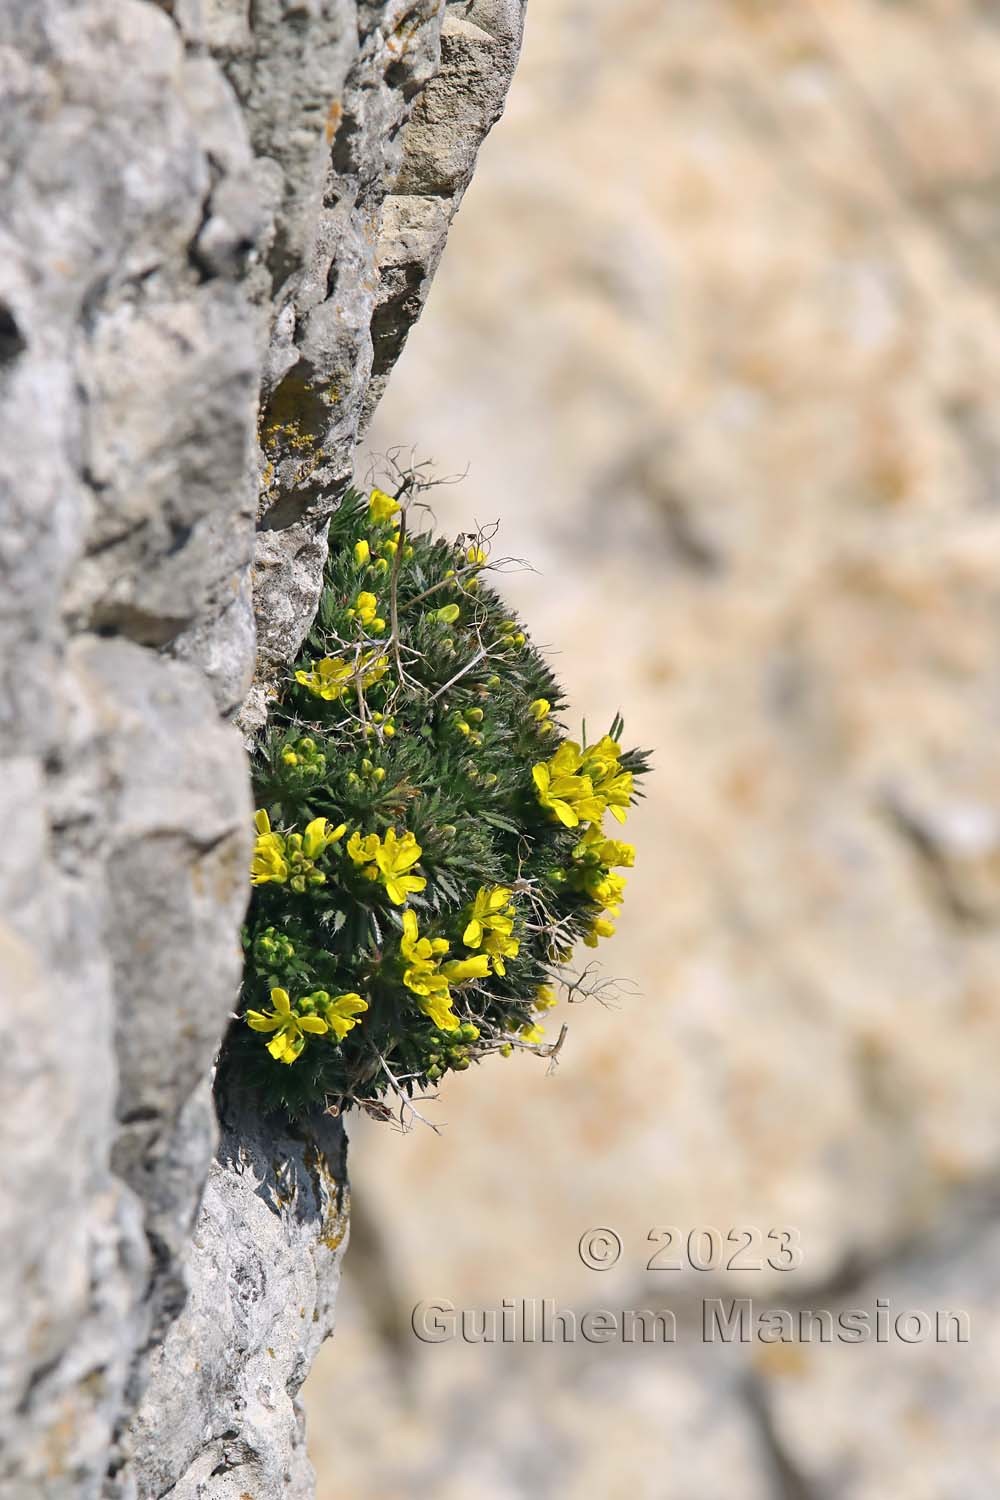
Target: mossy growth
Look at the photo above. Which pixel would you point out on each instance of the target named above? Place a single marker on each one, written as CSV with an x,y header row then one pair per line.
x,y
429,842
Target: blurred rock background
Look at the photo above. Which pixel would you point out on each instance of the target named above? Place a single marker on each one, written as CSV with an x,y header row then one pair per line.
x,y
718,337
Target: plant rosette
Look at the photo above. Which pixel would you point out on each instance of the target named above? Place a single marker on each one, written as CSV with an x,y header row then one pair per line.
x,y
430,845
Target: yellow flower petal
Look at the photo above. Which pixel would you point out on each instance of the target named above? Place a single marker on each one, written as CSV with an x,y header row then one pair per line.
x,y
314,1024
259,1022
381,507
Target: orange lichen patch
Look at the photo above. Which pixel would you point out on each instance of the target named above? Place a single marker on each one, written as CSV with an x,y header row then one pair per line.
x,y
334,115
333,1195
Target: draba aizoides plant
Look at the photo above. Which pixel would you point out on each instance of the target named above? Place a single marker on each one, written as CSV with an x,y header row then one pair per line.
x,y
430,845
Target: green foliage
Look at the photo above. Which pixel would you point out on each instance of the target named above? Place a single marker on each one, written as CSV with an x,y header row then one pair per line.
x,y
429,845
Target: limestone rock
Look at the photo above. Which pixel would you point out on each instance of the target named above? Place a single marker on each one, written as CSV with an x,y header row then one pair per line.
x,y
221,1417
191,199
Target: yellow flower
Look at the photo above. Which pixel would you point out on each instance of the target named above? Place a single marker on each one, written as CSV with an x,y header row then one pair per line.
x,y
529,1032
365,608
332,677
610,852
458,970
563,790
341,1012
476,556
291,857
319,836
268,862
540,709
388,861
448,613
500,947
614,853
439,1010
490,924
362,849
422,953
423,976
393,859
382,507
545,997
366,611
617,794
289,1028
613,787
542,778
608,892
580,785
600,927
491,911
602,759
429,979
362,552
328,679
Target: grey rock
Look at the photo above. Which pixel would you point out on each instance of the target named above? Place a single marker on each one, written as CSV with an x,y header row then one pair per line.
x,y
480,42
220,1417
194,256
392,155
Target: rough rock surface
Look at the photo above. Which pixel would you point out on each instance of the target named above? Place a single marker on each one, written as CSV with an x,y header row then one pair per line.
x,y
220,1416
404,120
193,256
739,408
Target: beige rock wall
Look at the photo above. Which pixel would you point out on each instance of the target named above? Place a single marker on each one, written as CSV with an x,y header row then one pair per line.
x,y
719,339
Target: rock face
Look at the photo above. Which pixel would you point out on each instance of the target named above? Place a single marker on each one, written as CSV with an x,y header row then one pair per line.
x,y
219,1416
214,236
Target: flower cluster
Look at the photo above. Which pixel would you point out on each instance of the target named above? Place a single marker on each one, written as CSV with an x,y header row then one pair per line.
x,y
389,860
332,677
429,843
291,857
314,1015
430,978
579,785
491,925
